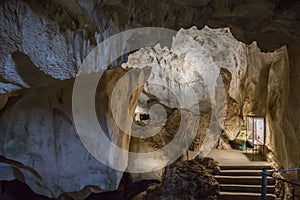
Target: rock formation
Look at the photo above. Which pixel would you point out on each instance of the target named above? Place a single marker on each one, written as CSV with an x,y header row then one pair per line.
x,y
188,180
39,141
43,44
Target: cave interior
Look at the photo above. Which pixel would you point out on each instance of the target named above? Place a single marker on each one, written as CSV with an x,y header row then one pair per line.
x,y
139,99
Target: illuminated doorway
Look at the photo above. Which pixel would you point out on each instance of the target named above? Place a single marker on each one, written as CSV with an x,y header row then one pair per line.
x,y
256,132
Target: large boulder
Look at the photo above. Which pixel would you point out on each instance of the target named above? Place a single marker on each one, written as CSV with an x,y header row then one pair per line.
x,y
190,180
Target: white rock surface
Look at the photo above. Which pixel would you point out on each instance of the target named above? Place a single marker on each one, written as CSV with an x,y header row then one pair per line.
x,y
172,80
187,75
209,50
192,67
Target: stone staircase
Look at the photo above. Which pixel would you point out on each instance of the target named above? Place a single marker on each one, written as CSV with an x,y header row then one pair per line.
x,y
243,182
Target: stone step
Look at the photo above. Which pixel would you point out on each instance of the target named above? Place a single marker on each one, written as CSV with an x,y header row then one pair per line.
x,y
242,180
243,196
244,167
242,172
245,188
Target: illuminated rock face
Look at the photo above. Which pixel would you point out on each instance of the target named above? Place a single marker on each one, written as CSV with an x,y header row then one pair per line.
x,y
256,83
186,76
44,42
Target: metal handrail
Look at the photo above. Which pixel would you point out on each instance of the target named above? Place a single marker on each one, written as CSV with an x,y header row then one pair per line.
x,y
285,170
265,175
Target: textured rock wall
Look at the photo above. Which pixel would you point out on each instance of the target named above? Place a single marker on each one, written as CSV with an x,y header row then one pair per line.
x,y
195,62
263,84
53,37
285,121
41,147
256,83
187,75
194,130
43,42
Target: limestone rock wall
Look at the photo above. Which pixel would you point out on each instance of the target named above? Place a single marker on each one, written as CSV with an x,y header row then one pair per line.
x,y
194,133
53,37
189,75
197,59
40,145
256,83
285,120
44,42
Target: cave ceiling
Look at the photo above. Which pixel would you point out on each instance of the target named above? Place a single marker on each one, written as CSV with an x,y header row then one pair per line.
x,y
272,23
